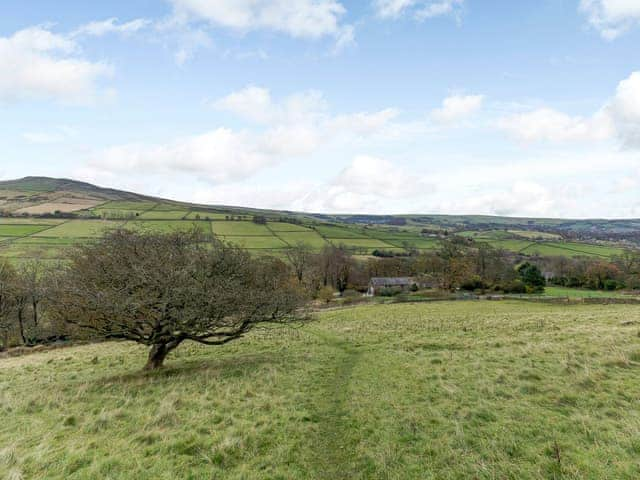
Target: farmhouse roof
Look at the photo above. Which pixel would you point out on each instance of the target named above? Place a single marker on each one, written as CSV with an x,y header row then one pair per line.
x,y
391,281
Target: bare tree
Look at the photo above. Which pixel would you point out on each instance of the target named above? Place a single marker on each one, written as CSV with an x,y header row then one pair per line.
x,y
336,266
301,258
7,301
160,290
33,278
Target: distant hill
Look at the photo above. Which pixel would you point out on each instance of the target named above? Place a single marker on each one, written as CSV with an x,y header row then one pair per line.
x,y
43,196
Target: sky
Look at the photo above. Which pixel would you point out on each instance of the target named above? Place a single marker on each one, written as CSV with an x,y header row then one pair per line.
x,y
527,108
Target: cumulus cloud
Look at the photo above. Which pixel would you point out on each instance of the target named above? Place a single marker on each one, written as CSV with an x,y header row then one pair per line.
x,y
624,109
525,198
37,63
304,109
546,124
57,135
457,107
611,18
220,155
367,184
111,25
618,119
295,127
310,19
420,9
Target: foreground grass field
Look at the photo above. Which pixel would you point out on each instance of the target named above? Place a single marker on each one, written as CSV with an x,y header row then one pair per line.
x,y
413,391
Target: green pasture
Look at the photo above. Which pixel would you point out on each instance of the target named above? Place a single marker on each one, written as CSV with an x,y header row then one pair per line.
x,y
136,206
17,230
531,234
571,249
366,243
288,227
80,229
240,228
310,238
161,226
194,215
552,291
156,214
444,390
29,221
251,242
334,232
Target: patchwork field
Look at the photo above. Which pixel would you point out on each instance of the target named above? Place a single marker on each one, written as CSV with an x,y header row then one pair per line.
x,y
28,237
447,390
19,233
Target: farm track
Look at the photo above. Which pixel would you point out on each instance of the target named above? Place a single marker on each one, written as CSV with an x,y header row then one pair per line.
x,y
334,454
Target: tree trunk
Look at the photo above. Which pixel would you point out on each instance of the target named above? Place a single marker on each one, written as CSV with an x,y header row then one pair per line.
x,y
5,340
21,325
157,354
34,304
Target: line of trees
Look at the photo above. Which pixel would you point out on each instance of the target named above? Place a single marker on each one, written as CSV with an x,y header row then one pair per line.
x,y
622,271
453,266
456,264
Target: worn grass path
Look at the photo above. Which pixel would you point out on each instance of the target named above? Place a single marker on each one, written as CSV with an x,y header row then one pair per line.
x,y
335,446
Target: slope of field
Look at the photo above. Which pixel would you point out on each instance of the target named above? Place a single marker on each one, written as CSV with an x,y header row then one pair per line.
x,y
444,390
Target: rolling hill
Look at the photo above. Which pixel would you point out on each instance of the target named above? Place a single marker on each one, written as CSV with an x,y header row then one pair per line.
x,y
42,217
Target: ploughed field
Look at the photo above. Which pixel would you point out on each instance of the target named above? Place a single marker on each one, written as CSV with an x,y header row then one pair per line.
x,y
51,238
446,390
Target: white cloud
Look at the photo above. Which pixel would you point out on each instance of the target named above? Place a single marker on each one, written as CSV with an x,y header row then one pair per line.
x,y
251,103
367,184
296,127
305,109
524,198
36,63
420,9
189,42
624,108
57,135
311,19
611,18
457,107
546,124
220,155
618,119
367,175
111,25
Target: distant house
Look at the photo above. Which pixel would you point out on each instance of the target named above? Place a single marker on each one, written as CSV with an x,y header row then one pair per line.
x,y
379,283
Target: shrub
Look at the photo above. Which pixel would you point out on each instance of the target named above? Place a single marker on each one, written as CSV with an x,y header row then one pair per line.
x,y
472,284
515,286
325,294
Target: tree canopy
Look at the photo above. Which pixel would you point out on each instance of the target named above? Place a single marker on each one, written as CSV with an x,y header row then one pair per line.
x,y
160,290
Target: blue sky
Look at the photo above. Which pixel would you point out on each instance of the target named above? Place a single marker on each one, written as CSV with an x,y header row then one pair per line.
x,y
380,106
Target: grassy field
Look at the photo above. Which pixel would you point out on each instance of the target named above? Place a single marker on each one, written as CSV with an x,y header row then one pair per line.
x,y
551,291
448,390
25,238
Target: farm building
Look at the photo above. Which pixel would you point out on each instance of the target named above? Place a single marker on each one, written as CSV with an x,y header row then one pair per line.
x,y
376,284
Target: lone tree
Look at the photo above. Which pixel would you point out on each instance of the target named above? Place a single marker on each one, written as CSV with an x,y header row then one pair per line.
x,y
160,290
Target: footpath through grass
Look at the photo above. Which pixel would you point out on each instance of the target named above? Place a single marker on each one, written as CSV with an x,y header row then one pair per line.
x,y
449,390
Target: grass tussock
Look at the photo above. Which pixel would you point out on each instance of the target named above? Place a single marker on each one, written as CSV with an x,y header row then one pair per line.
x,y
442,391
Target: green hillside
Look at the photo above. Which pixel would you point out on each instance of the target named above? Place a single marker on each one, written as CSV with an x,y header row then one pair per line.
x,y
42,217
